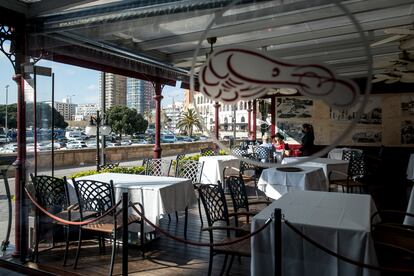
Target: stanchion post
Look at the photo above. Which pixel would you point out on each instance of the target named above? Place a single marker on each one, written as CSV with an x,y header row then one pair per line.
x,y
278,241
124,234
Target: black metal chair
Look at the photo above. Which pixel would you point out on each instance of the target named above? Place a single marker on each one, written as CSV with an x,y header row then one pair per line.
x,y
264,154
239,151
99,197
158,167
215,206
355,174
145,161
179,157
239,197
108,166
393,240
52,194
247,171
191,170
208,152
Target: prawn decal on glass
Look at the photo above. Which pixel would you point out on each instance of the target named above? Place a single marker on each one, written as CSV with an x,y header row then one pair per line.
x,y
234,74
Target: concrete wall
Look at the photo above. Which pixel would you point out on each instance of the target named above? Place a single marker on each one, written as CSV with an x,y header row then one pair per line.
x,y
80,157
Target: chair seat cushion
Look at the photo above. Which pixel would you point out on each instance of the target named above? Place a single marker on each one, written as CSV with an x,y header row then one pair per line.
x,y
106,224
241,248
344,182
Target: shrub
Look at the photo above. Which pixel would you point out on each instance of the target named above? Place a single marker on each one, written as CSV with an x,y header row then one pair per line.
x,y
222,152
129,170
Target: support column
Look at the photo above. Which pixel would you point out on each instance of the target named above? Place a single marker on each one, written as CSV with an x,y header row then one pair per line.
x,y
273,115
158,97
20,215
249,117
254,119
216,119
103,112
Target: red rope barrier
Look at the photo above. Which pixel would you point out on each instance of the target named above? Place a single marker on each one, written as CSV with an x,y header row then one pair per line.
x,y
162,231
343,258
68,222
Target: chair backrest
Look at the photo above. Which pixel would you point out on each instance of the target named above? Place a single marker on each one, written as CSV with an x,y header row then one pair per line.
x,y
238,193
246,166
214,202
179,157
356,167
189,169
207,152
239,151
51,192
158,167
94,196
263,153
109,166
145,161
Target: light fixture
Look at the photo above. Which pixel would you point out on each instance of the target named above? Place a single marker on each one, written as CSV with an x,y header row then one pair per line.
x,y
94,128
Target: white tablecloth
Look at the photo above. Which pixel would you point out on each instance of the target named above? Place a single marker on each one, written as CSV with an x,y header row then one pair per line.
x,y
338,221
337,153
410,168
410,209
326,164
158,194
275,183
214,166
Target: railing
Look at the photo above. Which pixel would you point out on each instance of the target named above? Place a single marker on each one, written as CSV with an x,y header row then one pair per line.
x,y
276,218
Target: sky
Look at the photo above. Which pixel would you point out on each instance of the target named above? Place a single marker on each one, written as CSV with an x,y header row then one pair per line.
x,y
81,85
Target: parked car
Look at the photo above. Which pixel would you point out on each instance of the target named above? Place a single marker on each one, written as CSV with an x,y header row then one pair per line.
x,y
168,138
139,141
4,138
76,145
109,145
126,142
9,148
184,139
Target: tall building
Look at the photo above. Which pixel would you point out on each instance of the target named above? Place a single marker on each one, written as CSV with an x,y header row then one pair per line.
x,y
229,115
65,108
173,113
140,95
115,89
85,111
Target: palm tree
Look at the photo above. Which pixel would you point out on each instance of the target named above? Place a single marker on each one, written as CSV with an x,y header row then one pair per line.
x,y
189,120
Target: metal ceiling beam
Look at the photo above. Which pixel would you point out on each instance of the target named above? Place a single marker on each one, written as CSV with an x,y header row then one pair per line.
x,y
324,12
16,6
304,36
134,10
51,6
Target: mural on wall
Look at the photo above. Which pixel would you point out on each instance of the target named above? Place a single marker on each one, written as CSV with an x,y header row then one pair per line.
x,y
407,105
291,131
290,107
407,132
371,115
363,136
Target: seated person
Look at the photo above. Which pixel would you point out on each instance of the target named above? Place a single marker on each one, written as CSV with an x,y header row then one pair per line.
x,y
265,150
281,148
250,142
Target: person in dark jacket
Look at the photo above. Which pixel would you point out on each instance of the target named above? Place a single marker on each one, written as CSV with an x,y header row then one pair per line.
x,y
307,140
